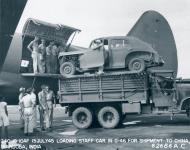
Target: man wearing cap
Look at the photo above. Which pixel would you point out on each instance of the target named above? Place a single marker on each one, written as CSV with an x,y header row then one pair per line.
x,y
28,105
4,120
21,108
50,98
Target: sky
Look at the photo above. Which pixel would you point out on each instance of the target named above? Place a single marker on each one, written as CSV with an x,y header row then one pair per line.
x,y
97,18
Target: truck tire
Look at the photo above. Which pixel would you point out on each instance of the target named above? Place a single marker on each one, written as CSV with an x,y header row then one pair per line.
x,y
82,117
67,68
136,64
108,117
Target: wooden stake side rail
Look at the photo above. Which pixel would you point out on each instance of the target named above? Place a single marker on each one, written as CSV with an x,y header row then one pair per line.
x,y
104,88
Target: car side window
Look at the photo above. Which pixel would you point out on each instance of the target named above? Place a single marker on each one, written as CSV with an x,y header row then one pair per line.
x,y
106,45
118,43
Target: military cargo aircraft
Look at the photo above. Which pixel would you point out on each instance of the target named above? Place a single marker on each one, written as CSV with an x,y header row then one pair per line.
x,y
151,27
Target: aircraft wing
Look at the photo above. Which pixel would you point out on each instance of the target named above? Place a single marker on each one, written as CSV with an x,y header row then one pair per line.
x,y
154,29
10,13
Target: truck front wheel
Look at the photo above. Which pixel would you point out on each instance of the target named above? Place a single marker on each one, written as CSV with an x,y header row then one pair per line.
x,y
108,117
67,68
82,117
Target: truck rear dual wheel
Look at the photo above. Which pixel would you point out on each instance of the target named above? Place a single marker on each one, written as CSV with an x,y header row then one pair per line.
x,y
82,117
108,117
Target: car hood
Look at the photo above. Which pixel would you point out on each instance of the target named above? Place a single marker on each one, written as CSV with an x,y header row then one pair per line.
x,y
74,50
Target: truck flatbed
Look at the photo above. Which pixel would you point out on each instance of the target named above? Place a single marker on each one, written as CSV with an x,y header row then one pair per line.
x,y
80,75
41,75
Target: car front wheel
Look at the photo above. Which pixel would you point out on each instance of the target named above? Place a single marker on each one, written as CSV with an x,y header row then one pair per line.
x,y
67,69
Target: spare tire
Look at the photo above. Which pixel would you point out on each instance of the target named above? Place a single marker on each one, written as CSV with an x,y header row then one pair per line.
x,y
67,68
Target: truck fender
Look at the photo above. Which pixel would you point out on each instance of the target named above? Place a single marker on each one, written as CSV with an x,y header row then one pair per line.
x,y
183,102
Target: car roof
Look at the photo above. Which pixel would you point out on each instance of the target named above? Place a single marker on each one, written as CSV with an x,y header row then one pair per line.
x,y
112,37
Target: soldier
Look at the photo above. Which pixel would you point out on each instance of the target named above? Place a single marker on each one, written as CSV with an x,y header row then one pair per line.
x,y
42,95
54,59
33,48
98,45
21,109
4,120
50,101
48,57
34,117
28,105
41,58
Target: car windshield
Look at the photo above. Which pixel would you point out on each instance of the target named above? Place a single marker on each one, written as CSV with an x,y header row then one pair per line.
x,y
95,44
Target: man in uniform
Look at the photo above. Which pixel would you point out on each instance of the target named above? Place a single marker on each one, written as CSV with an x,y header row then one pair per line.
x,y
34,118
4,120
42,95
50,101
98,46
41,58
49,57
28,105
33,48
54,59
21,109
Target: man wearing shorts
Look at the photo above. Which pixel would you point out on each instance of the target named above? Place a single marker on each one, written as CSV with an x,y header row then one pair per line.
x,y
4,120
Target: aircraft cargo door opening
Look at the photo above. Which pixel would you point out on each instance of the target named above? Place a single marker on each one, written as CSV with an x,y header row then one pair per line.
x,y
42,43
26,60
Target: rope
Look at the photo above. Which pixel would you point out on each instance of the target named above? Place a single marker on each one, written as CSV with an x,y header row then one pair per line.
x,y
34,82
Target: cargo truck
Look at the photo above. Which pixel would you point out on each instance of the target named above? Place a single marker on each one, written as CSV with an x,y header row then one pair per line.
x,y
107,98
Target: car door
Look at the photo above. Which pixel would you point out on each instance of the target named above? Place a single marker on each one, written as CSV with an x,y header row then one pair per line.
x,y
118,50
